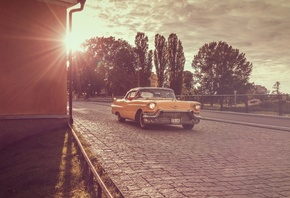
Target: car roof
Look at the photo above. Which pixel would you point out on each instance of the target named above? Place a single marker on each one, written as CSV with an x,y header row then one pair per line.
x,y
142,88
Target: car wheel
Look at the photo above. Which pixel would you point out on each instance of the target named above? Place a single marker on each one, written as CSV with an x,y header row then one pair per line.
x,y
141,121
120,119
188,126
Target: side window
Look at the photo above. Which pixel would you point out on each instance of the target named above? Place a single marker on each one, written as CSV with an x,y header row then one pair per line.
x,y
169,94
147,95
131,95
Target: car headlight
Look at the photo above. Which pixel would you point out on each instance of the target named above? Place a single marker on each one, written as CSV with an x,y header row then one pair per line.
x,y
197,107
152,105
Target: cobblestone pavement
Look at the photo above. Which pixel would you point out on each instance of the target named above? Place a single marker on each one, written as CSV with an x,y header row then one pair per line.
x,y
213,160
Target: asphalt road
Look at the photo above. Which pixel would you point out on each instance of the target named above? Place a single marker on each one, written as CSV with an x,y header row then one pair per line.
x,y
215,159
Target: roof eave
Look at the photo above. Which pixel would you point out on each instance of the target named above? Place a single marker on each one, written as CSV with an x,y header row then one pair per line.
x,y
63,3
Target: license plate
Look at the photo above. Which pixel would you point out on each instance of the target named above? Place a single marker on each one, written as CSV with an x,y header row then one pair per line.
x,y
175,121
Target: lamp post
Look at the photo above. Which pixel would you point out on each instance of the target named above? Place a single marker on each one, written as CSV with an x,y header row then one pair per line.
x,y
82,3
138,70
235,93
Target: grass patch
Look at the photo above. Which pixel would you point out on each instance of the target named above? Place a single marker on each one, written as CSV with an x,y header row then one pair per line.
x,y
45,165
113,189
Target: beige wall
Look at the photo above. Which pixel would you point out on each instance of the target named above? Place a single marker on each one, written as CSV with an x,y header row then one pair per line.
x,y
32,58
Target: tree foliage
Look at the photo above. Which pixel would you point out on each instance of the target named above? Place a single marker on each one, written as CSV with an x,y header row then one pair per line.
x,y
160,60
103,65
144,59
221,69
123,74
115,66
176,61
86,79
187,88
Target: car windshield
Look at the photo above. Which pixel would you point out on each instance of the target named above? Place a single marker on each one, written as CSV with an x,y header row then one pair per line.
x,y
156,93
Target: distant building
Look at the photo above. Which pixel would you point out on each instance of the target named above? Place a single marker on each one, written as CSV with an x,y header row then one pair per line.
x,y
153,80
33,79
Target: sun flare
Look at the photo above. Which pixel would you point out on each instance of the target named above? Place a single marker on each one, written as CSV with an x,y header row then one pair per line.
x,y
73,43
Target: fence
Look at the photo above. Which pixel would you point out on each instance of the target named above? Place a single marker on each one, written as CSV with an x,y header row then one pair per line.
x,y
258,103
94,176
250,103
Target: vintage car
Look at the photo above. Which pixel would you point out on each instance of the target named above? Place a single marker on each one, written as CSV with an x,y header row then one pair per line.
x,y
155,105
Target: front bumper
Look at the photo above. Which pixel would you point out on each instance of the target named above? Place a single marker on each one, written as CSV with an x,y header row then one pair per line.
x,y
171,117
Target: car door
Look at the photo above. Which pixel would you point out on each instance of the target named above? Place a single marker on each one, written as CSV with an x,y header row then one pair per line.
x,y
129,108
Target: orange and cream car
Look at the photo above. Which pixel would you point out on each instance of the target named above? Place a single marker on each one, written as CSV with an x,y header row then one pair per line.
x,y
155,105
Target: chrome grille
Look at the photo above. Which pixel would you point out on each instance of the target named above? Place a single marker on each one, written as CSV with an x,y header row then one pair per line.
x,y
168,115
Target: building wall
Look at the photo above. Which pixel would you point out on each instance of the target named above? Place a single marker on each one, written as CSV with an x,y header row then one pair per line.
x,y
153,80
32,58
33,81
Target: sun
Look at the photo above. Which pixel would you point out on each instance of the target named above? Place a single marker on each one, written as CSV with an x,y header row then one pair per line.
x,y
73,42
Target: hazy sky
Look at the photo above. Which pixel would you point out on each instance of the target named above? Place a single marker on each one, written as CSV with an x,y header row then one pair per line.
x,y
258,28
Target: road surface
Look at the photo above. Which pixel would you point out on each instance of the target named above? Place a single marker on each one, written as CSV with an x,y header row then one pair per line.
x,y
215,159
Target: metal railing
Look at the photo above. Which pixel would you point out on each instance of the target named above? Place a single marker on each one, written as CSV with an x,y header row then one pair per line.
x,y
247,103
102,190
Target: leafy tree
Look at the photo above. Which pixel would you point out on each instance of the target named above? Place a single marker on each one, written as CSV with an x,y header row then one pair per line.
x,y
187,83
123,76
77,64
160,61
113,64
150,65
100,56
176,61
144,59
85,78
220,69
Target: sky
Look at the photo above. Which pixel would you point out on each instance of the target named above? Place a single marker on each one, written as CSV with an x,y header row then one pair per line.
x,y
258,28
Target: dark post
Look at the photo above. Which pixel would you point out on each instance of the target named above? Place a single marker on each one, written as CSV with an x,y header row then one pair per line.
x,y
280,110
202,101
221,103
247,104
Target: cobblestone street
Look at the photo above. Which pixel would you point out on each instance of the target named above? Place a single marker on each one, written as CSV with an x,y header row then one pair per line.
x,y
213,160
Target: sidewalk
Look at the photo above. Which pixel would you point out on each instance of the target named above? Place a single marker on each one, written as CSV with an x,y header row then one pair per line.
x,y
258,120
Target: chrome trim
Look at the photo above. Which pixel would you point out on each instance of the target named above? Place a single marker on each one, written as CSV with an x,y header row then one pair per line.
x,y
139,105
156,118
